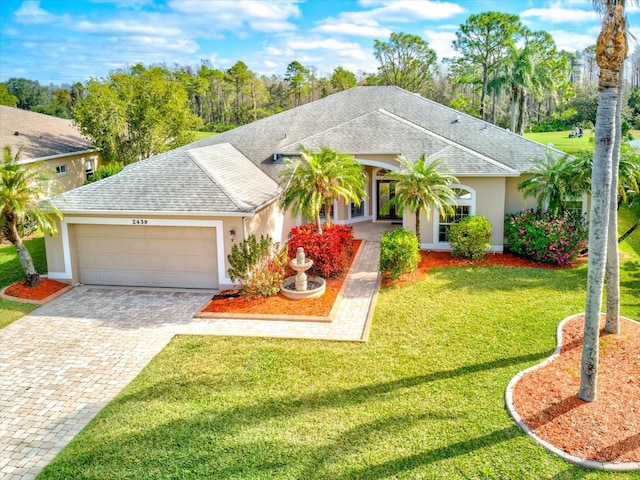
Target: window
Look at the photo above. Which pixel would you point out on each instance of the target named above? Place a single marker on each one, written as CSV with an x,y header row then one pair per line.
x,y
461,211
464,206
323,211
61,169
357,211
88,168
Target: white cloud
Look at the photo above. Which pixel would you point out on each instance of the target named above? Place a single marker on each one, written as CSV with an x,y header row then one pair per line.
x,y
560,15
120,27
572,41
411,10
441,42
30,12
344,28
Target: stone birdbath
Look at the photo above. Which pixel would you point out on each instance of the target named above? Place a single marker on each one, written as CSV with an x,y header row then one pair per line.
x,y
299,286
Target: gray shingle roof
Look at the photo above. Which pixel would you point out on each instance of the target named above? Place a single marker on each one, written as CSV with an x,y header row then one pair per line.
x,y
239,174
39,135
210,180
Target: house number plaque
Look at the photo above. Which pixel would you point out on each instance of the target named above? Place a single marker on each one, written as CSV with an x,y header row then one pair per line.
x,y
136,221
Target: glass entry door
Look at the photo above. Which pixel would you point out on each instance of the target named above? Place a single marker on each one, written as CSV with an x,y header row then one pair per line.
x,y
386,192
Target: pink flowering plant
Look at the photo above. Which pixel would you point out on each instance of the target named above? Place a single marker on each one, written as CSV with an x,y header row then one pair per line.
x,y
555,240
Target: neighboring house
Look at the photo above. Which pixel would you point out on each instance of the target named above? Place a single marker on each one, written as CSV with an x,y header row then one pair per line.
x,y
170,220
54,142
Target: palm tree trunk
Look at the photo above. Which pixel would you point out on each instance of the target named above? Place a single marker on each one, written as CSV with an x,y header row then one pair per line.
x,y
613,260
32,276
418,226
611,50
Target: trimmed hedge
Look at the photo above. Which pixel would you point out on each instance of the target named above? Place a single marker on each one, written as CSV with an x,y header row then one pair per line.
x,y
330,251
469,238
399,252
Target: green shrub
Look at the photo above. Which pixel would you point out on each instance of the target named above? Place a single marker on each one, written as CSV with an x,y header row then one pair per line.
x,y
104,171
399,252
469,238
539,236
259,266
330,251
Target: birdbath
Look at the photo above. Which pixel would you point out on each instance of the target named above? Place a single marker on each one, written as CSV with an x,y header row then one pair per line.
x,y
298,288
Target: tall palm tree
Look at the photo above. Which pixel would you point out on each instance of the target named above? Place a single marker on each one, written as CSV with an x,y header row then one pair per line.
x,y
611,50
554,181
419,186
318,179
22,190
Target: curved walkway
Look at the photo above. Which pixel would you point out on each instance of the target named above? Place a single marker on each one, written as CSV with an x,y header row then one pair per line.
x,y
63,362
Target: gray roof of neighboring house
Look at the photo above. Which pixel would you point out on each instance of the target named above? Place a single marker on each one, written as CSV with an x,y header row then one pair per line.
x,y
240,173
215,179
39,135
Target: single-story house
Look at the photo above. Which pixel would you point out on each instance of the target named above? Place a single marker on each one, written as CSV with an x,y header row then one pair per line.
x,y
171,220
56,143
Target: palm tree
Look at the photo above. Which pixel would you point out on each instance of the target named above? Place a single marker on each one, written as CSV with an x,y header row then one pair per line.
x,y
611,50
419,186
554,181
22,189
317,179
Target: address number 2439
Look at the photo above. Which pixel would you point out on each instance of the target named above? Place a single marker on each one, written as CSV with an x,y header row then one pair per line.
x,y
139,222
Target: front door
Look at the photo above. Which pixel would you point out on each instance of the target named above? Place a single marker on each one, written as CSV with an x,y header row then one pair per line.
x,y
386,192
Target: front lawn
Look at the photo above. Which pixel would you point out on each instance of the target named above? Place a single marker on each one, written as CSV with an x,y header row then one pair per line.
x,y
424,398
11,272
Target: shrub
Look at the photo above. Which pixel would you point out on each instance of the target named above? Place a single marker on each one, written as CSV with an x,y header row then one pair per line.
x,y
539,236
399,252
470,237
259,266
104,171
330,251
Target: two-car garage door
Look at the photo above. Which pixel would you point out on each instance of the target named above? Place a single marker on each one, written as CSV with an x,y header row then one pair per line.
x,y
151,256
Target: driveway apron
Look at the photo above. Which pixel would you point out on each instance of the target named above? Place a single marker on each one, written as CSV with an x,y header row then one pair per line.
x,y
61,364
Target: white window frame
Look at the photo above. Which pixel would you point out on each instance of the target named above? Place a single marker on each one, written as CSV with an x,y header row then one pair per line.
x,y
61,169
470,202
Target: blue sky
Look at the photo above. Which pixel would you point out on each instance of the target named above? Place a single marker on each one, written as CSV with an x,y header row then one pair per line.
x,y
58,41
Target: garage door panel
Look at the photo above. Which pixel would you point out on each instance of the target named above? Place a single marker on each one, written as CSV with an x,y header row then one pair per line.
x,y
147,256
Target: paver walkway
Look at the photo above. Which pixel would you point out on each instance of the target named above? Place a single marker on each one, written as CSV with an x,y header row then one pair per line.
x,y
62,363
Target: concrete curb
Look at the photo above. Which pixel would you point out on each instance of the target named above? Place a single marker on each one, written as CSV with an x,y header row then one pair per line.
x,y
34,302
582,462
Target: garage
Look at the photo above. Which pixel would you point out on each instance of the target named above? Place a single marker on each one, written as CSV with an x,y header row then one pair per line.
x,y
146,256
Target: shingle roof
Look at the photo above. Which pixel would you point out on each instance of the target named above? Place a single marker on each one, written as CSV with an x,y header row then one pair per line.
x,y
39,135
333,118
216,179
240,174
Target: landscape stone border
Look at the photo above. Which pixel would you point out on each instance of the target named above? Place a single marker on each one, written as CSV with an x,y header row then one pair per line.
x,y
583,462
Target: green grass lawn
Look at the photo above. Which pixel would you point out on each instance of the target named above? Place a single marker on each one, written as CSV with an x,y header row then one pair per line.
x,y
561,140
424,398
11,272
200,135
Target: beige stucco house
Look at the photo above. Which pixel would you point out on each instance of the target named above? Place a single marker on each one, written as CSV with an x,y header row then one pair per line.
x,y
171,220
55,143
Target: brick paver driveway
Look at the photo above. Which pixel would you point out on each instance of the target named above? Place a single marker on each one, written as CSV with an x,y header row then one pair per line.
x,y
61,364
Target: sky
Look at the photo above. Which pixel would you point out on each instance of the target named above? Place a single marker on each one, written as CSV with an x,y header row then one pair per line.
x,y
66,41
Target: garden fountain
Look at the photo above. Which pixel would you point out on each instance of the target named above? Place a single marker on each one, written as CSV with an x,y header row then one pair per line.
x,y
299,287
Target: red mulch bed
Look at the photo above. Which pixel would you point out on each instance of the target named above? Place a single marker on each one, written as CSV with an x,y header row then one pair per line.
x,y
606,430
280,305
47,287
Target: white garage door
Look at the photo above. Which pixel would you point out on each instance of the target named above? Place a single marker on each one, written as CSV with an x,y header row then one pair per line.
x,y
137,255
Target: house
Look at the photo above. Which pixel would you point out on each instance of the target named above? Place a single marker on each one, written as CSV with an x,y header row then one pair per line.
x,y
171,220
56,143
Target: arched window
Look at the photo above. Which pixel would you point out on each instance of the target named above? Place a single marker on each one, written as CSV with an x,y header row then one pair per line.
x,y
464,206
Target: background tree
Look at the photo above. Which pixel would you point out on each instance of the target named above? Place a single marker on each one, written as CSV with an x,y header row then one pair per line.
x,y
342,79
406,61
23,189
6,98
419,186
297,78
29,92
239,76
318,179
484,40
133,115
611,50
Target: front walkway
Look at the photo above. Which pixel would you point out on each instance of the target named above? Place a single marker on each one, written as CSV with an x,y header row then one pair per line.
x,y
62,363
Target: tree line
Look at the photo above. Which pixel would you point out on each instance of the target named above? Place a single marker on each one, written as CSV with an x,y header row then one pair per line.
x,y
505,74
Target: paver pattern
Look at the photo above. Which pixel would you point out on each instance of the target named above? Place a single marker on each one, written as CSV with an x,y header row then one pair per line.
x,y
62,363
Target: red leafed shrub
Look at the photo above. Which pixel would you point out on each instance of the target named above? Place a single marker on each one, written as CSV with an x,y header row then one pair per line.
x,y
330,251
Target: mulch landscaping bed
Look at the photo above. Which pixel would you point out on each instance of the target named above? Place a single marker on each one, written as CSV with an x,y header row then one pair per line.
x,y
47,287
